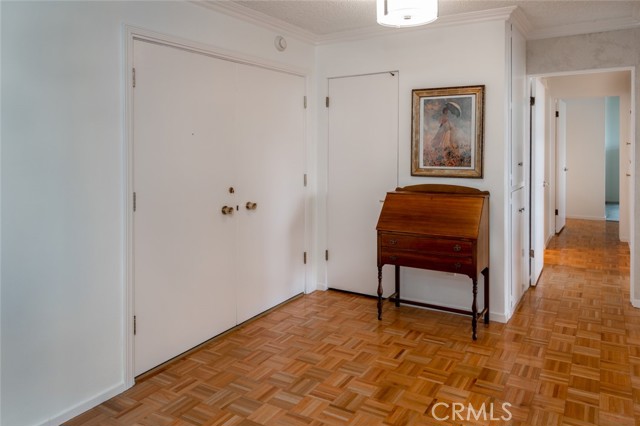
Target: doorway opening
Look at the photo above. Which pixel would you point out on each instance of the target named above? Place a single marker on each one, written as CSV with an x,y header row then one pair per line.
x,y
611,92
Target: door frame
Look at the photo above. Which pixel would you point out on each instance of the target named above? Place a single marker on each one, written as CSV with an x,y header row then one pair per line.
x,y
132,33
632,139
537,206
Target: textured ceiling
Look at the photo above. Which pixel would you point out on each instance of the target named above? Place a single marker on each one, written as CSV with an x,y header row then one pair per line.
x,y
324,17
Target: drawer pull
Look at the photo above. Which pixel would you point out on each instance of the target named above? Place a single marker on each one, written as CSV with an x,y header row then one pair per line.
x,y
457,247
393,257
393,242
457,265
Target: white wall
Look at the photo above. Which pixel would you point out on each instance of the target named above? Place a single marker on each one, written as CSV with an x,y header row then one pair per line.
x,y
63,189
585,159
602,51
432,58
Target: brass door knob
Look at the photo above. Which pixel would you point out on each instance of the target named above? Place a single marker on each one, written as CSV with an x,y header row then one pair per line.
x,y
251,206
227,210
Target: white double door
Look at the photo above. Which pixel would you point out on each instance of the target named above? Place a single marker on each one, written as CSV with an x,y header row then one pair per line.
x,y
210,133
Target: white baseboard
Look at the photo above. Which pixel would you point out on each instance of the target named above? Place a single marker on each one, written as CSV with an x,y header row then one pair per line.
x,y
501,318
85,406
635,303
587,217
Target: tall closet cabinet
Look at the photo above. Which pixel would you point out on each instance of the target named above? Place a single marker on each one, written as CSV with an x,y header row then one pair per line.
x,y
517,135
218,178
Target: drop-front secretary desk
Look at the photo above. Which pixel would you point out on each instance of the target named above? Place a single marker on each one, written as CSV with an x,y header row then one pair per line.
x,y
437,227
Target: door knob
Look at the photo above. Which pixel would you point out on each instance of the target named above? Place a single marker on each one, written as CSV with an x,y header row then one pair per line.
x,y
227,210
251,206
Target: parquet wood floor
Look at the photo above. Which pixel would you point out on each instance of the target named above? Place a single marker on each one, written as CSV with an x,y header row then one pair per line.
x,y
570,355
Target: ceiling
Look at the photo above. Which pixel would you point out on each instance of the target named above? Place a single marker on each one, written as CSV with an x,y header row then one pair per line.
x,y
331,19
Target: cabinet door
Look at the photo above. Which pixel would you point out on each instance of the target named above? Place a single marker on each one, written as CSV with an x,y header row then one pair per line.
x,y
362,168
270,139
183,265
519,247
519,101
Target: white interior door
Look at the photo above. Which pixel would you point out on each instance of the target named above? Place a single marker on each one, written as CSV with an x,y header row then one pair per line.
x,y
362,168
561,165
538,183
271,161
182,168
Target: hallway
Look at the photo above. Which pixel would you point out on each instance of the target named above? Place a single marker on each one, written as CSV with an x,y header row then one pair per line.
x,y
570,355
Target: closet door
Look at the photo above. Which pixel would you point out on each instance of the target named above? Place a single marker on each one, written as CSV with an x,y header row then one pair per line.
x,y
271,166
362,168
519,245
184,259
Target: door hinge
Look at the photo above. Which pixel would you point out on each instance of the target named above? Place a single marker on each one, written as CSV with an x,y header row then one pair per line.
x,y
134,201
305,180
326,255
557,114
305,257
532,101
133,76
556,212
135,327
326,102
305,102
532,253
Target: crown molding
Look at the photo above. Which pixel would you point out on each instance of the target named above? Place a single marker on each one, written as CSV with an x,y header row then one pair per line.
x,y
234,10
513,14
585,28
520,21
499,14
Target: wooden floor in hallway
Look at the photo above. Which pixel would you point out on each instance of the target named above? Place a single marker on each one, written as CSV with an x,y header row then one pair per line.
x,y
570,355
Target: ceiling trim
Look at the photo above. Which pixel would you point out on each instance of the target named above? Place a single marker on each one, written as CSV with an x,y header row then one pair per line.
x,y
499,14
235,10
232,9
511,13
520,21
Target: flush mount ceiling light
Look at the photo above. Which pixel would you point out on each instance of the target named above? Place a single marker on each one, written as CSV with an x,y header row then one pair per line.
x,y
406,13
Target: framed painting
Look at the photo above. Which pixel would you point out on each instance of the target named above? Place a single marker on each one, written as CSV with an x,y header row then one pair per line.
x,y
447,132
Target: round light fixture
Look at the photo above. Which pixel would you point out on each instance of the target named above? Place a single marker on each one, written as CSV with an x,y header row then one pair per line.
x,y
406,13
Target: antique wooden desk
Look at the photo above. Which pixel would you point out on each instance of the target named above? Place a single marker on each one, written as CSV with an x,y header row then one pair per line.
x,y
437,227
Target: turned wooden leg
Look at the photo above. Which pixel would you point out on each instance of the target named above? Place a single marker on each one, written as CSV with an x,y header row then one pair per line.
x,y
486,294
474,310
397,286
379,292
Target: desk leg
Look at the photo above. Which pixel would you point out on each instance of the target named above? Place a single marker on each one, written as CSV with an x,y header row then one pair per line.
x,y
379,292
397,286
486,294
474,310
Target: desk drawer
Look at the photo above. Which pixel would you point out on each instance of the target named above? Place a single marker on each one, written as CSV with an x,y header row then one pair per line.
x,y
432,245
433,261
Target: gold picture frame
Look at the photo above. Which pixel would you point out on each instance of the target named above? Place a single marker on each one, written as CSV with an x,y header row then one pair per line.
x,y
447,132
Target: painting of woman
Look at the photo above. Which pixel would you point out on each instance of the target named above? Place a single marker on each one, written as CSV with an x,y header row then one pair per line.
x,y
447,147
447,131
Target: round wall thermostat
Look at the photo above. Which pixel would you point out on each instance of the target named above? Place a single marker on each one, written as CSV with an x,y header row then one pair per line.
x,y
280,43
